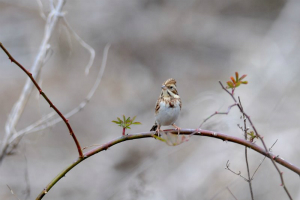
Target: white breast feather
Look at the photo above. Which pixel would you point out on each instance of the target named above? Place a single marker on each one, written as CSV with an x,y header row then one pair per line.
x,y
167,115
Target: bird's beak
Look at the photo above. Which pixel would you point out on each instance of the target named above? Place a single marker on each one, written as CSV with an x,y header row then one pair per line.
x,y
163,87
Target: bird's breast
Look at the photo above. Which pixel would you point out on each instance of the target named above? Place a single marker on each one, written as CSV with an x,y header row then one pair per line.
x,y
168,113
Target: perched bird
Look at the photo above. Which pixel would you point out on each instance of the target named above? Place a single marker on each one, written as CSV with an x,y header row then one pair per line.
x,y
167,107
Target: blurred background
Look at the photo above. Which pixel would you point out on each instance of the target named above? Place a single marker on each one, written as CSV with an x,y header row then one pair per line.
x,y
197,42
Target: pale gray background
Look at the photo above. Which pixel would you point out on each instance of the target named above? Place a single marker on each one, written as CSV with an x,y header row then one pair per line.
x,y
197,42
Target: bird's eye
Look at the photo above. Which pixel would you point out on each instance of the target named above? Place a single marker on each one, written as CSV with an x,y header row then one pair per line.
x,y
171,87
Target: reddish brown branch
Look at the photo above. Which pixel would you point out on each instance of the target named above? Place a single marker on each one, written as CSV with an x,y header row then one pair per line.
x,y
261,139
46,98
205,133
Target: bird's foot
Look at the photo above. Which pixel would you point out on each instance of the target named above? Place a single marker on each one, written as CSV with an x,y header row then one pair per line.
x,y
177,128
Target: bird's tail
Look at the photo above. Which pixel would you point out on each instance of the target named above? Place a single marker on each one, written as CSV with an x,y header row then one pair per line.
x,y
154,127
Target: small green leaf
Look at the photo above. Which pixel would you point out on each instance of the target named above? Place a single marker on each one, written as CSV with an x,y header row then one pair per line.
x,y
136,123
230,84
133,118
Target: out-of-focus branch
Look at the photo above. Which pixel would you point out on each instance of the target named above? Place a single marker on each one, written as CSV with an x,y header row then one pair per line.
x,y
206,133
44,123
47,99
19,106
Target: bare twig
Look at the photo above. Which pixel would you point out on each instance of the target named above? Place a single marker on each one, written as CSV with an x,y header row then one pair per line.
x,y
246,153
205,133
12,192
262,141
262,161
46,98
82,43
236,173
217,113
27,189
231,193
42,14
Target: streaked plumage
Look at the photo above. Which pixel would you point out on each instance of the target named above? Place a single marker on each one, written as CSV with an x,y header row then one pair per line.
x,y
168,106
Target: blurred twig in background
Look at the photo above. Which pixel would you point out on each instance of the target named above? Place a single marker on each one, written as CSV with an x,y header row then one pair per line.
x,y
12,136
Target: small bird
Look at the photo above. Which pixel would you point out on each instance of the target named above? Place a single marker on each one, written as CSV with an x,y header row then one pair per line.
x,y
167,107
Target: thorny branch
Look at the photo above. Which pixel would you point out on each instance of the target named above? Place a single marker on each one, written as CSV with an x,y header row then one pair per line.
x,y
19,106
261,139
204,133
46,98
45,122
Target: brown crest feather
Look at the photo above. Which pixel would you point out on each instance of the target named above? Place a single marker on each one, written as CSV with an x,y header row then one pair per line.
x,y
170,81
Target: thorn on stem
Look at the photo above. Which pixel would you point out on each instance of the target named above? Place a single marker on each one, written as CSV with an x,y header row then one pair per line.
x,y
40,91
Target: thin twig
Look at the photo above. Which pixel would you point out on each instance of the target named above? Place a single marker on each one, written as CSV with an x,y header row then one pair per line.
x,y
231,193
27,190
46,98
262,161
246,153
205,133
236,173
42,14
262,141
12,192
82,43
217,113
